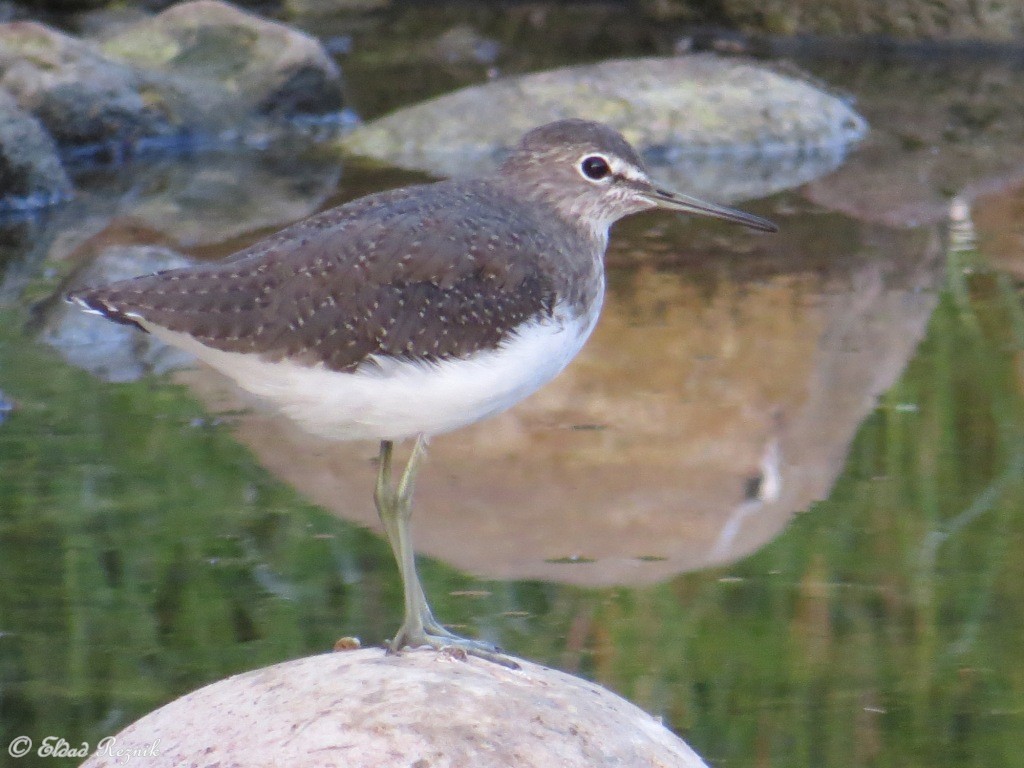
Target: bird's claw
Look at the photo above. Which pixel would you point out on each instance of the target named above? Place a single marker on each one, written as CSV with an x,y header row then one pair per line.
x,y
450,644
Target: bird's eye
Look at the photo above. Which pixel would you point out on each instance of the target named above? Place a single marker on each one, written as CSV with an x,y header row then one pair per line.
x,y
594,167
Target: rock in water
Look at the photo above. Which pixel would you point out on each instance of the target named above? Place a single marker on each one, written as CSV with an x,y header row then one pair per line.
x,y
688,105
250,65
364,709
31,174
81,97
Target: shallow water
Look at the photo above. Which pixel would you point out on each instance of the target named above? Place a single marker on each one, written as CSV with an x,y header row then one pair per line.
x,y
777,500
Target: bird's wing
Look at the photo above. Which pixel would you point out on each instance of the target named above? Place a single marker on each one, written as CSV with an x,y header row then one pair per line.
x,y
424,273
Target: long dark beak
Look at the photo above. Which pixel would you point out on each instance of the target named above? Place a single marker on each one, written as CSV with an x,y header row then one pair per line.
x,y
673,201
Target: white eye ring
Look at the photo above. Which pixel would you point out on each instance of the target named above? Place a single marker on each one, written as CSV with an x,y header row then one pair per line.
x,y
594,168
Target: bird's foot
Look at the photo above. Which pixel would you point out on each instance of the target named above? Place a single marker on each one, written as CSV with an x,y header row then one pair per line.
x,y
433,635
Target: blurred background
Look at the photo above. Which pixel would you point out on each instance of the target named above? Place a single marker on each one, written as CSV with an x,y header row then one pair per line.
x,y
778,498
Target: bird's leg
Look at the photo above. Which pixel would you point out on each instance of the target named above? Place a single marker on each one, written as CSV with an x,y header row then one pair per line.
x,y
394,505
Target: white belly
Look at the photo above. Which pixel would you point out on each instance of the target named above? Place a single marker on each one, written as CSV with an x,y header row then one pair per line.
x,y
393,400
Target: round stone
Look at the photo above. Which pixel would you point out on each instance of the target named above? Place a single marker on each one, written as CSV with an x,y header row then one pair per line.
x,y
420,708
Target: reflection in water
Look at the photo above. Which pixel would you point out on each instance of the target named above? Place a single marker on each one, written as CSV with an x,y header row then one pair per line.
x,y
148,554
214,198
940,128
143,552
732,178
763,488
699,418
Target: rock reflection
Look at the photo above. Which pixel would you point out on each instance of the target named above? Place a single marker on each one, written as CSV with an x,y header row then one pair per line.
x,y
707,410
999,219
937,130
136,221
215,197
732,178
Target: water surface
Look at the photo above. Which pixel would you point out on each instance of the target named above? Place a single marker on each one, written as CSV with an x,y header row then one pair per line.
x,y
777,500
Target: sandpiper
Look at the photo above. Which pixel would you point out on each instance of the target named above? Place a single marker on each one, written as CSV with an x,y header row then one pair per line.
x,y
416,311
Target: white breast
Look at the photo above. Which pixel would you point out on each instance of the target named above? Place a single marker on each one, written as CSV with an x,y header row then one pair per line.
x,y
392,399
